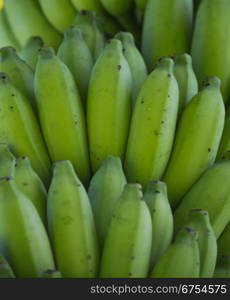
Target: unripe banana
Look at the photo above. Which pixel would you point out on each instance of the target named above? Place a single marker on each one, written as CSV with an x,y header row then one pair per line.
x,y
224,147
198,219
211,43
162,219
31,185
19,128
75,53
87,22
223,267
51,274
181,259
167,29
30,51
21,75
197,140
127,245
6,38
27,238
153,125
105,189
61,112
109,25
60,13
109,104
186,79
135,60
26,19
5,269
7,161
212,193
71,224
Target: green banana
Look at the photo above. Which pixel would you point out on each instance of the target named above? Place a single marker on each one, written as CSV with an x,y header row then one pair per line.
x,y
198,219
153,125
127,245
104,191
19,128
162,219
6,38
30,51
109,104
167,29
181,259
109,24
27,238
71,224
212,193
31,185
197,140
51,274
186,79
25,25
61,112
87,22
5,269
7,161
60,13
211,43
224,147
135,61
222,269
21,75
75,53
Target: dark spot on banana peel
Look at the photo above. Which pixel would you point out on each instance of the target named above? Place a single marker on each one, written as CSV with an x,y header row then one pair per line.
x,y
11,107
156,132
119,67
12,95
142,101
157,192
132,257
169,75
25,183
130,274
209,150
89,256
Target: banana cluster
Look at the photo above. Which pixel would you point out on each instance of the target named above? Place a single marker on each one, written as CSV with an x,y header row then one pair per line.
x,y
114,138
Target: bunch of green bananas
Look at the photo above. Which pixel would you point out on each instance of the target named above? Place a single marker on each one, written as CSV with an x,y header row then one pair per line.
x,y
114,138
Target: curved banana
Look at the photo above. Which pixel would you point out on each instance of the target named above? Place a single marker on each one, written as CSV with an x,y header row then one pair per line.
x,y
27,238
61,112
212,193
153,125
60,13
135,61
167,29
197,140
186,79
162,219
29,53
31,185
87,22
127,247
5,269
181,259
75,53
109,24
21,75
198,219
6,38
51,274
224,147
105,189
26,19
7,161
211,43
19,128
222,269
71,224
109,104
